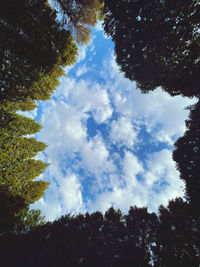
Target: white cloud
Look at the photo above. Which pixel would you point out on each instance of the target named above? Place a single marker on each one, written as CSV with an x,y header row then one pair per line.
x,y
81,70
95,159
158,183
117,176
131,168
162,114
122,132
70,189
161,169
99,26
91,97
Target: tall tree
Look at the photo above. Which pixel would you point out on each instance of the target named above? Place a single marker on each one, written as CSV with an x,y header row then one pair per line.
x,y
157,43
79,15
18,168
34,49
187,157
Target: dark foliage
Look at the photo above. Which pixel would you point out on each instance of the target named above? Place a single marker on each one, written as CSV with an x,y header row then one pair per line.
x,y
157,43
178,237
139,239
187,157
32,45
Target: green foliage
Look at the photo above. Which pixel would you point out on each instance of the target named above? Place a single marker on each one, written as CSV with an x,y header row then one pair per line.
x,y
18,166
157,43
28,220
15,216
79,15
10,205
187,157
18,169
34,49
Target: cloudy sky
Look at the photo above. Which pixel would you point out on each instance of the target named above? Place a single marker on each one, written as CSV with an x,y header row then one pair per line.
x,y
109,145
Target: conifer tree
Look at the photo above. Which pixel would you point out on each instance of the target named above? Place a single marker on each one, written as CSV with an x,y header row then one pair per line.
x,y
18,168
34,49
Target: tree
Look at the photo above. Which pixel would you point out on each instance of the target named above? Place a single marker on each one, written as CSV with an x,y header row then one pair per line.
x,y
113,233
141,230
34,49
79,15
15,216
178,238
157,43
187,157
18,168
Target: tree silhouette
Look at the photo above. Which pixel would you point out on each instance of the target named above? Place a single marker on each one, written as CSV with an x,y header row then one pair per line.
x,y
141,229
157,43
177,237
187,157
138,239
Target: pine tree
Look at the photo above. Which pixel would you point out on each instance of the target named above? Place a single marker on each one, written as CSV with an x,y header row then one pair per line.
x,y
18,167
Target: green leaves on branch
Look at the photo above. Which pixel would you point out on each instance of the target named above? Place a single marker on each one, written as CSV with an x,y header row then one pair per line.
x,y
79,15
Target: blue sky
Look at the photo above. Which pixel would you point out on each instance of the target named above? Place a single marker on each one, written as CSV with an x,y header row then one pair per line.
x,y
109,145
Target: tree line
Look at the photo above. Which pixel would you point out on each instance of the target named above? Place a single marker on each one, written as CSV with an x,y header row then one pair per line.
x,y
156,44
139,239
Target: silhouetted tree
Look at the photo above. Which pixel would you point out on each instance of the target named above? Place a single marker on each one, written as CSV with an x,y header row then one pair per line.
x,y
187,157
178,237
138,239
157,43
142,229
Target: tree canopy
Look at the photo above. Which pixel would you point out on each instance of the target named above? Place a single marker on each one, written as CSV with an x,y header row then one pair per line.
x,y
157,43
138,239
34,49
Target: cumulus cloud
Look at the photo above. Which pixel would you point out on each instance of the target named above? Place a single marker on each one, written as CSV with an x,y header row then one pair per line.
x,y
123,132
162,115
70,189
108,163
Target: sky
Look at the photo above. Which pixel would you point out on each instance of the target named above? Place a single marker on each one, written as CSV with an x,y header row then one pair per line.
x,y
108,144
